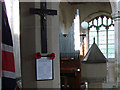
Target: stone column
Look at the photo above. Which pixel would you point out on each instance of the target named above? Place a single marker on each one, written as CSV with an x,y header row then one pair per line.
x,y
27,45
116,17
31,43
53,46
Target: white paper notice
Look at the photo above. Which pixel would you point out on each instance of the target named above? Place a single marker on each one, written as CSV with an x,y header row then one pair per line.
x,y
44,68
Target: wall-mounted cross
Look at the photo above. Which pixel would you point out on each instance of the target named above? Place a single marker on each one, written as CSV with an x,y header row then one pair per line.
x,y
43,11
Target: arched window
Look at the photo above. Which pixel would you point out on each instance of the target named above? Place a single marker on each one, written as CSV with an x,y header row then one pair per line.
x,y
102,28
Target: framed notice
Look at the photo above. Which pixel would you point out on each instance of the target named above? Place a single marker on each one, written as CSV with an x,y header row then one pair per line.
x,y
44,69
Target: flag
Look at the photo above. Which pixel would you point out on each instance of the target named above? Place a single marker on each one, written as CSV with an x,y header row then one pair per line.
x,y
8,65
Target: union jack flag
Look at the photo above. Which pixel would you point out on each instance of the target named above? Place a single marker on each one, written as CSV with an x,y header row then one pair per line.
x,y
8,65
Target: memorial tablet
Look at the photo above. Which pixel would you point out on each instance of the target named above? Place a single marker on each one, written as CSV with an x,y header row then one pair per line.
x,y
44,69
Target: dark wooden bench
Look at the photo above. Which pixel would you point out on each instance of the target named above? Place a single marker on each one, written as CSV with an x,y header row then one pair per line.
x,y
70,71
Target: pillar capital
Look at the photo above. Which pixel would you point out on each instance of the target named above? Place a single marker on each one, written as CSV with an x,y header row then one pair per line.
x,y
116,16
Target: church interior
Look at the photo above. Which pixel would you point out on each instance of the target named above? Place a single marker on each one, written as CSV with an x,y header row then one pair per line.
x,y
83,35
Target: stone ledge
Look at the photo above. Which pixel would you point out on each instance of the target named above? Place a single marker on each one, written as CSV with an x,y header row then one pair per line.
x,y
116,15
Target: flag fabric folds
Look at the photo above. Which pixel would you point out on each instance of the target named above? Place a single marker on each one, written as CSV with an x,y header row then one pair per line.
x,y
8,65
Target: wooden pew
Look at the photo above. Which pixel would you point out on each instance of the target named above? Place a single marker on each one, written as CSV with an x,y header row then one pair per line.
x,y
70,71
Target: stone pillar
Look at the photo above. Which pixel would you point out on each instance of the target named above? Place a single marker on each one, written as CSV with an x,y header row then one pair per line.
x,y
31,43
27,45
116,17
53,46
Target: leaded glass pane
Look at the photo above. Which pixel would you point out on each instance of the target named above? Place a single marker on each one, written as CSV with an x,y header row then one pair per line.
x,y
105,20
90,23
99,21
102,40
102,47
102,36
90,45
92,34
110,37
105,43
109,21
95,22
111,46
111,55
111,49
111,28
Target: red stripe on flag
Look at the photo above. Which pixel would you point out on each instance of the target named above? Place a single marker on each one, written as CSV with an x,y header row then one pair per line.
x,y
8,61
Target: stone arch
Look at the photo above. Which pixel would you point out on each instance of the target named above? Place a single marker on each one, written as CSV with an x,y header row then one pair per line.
x,y
96,14
66,16
114,5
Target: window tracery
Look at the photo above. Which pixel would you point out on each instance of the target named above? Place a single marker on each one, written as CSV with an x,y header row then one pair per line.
x,y
102,28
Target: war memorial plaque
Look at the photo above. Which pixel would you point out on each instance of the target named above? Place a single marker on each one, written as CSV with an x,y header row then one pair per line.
x,y
44,69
